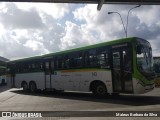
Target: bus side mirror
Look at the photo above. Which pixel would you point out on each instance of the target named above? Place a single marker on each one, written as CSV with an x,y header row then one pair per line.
x,y
139,49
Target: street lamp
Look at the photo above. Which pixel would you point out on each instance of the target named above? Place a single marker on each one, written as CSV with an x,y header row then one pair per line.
x,y
121,21
125,28
128,16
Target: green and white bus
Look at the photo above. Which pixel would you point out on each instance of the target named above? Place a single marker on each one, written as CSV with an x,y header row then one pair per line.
x,y
119,66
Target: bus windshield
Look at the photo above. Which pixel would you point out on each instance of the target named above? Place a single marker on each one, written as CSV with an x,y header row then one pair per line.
x,y
144,57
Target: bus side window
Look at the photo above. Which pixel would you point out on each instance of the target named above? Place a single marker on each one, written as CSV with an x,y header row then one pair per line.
x,y
71,60
11,68
59,62
78,60
47,66
55,63
93,58
52,65
66,61
103,58
41,66
86,59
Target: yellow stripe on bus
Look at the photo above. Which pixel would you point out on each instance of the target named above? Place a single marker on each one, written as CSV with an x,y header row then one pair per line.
x,y
82,70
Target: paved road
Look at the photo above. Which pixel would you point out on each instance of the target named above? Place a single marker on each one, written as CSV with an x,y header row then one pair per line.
x,y
17,100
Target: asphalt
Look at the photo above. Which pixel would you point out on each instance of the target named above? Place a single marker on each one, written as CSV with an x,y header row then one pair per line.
x,y
150,106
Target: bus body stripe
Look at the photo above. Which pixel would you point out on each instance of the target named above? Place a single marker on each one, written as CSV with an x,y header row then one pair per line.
x,y
83,70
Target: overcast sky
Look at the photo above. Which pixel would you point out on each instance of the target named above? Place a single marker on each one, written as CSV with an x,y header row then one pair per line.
x,y
29,29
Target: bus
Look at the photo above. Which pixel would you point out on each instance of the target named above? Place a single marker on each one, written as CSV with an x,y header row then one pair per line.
x,y
114,67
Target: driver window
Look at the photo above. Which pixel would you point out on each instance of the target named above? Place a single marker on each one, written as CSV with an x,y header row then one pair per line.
x,y
127,60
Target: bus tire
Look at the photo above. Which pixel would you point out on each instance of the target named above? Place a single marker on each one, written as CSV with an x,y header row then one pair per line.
x,y
25,86
32,87
99,89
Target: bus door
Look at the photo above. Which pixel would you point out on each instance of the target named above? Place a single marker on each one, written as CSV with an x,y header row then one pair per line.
x,y
48,74
12,80
122,69
12,75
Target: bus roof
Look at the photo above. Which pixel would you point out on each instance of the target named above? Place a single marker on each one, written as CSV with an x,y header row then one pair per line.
x,y
75,49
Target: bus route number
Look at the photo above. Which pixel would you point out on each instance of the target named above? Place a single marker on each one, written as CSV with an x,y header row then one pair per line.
x,y
94,74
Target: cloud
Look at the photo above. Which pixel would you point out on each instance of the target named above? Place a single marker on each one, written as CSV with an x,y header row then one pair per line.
x,y
28,32
14,18
76,36
107,26
143,21
29,29
55,10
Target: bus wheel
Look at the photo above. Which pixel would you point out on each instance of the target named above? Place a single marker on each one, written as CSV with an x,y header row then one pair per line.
x,y
32,87
99,89
24,86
